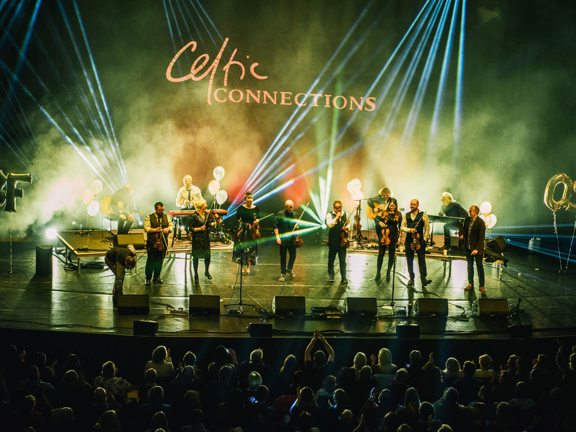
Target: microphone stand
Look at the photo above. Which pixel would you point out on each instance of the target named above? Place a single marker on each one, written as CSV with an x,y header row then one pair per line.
x,y
240,304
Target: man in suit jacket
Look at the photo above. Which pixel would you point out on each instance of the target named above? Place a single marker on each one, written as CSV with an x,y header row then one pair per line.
x,y
473,233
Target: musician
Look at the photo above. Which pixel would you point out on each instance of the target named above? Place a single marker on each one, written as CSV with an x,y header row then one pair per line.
x,y
451,208
118,260
473,233
157,226
120,205
201,223
389,223
338,232
416,226
247,234
284,226
376,207
185,198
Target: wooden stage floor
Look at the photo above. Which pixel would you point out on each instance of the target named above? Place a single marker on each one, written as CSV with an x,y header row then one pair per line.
x,y
72,301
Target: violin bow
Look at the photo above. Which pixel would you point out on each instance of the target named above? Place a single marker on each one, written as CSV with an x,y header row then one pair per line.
x,y
301,214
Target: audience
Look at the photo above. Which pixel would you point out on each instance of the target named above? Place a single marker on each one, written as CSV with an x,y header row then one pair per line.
x,y
213,392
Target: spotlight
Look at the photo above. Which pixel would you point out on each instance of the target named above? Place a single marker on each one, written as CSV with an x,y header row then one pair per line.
x,y
50,233
323,226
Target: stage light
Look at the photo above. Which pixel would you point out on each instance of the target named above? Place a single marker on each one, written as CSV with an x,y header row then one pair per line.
x,y
324,226
50,233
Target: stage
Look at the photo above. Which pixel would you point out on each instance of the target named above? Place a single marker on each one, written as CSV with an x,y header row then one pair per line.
x,y
68,300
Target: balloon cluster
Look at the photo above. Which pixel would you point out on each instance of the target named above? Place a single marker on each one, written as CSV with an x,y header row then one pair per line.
x,y
88,195
355,189
490,219
568,191
9,189
214,186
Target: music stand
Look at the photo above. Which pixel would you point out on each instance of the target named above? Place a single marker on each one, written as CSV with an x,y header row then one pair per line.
x,y
240,304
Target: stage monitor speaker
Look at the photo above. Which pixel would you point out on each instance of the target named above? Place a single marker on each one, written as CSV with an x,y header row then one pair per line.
x,y
43,260
408,331
492,307
432,307
289,305
361,306
523,331
134,304
204,304
260,330
136,239
497,244
145,327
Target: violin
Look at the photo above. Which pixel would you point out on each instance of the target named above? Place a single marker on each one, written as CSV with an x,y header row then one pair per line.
x,y
344,239
385,236
298,241
415,245
256,230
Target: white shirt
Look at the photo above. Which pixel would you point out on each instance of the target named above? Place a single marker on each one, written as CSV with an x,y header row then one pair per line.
x,y
185,198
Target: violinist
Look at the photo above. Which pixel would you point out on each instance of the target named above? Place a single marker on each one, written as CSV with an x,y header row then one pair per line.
x,y
389,224
284,226
157,226
416,226
247,234
201,223
338,241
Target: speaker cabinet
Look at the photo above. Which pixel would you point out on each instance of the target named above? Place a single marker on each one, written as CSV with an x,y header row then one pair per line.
x,y
135,239
43,260
289,305
134,304
431,307
361,306
204,304
492,307
498,244
408,331
260,330
145,327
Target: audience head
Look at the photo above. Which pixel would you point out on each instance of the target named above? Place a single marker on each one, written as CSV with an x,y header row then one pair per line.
x,y
159,354
415,358
150,376
189,359
452,366
469,369
108,369
156,394
359,360
257,356
485,362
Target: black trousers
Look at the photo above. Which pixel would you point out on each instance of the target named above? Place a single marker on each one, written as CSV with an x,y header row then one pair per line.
x,y
154,263
196,260
471,259
391,255
421,261
119,272
284,251
341,252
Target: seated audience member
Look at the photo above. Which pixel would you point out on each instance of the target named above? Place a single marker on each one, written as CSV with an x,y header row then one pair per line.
x,y
162,364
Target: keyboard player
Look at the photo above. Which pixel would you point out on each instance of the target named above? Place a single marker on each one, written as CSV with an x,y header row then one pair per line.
x,y
185,199
455,215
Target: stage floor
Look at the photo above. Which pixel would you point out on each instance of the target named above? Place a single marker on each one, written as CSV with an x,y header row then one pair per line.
x,y
68,300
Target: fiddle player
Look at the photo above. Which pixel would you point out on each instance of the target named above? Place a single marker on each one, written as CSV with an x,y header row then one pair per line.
x,y
187,195
451,208
377,206
284,226
201,223
473,233
416,226
389,223
119,259
247,234
338,241
157,226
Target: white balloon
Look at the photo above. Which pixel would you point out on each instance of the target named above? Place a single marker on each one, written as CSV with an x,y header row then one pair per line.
x,y
93,208
221,197
485,208
96,186
219,173
214,187
87,196
490,221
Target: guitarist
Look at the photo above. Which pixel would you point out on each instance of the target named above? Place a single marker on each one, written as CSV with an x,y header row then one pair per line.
x,y
416,226
377,206
338,229
157,226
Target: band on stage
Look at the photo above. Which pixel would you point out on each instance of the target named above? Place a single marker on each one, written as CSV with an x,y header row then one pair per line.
x,y
390,225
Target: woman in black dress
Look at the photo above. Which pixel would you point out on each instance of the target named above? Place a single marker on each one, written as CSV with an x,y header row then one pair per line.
x,y
389,224
201,223
247,234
